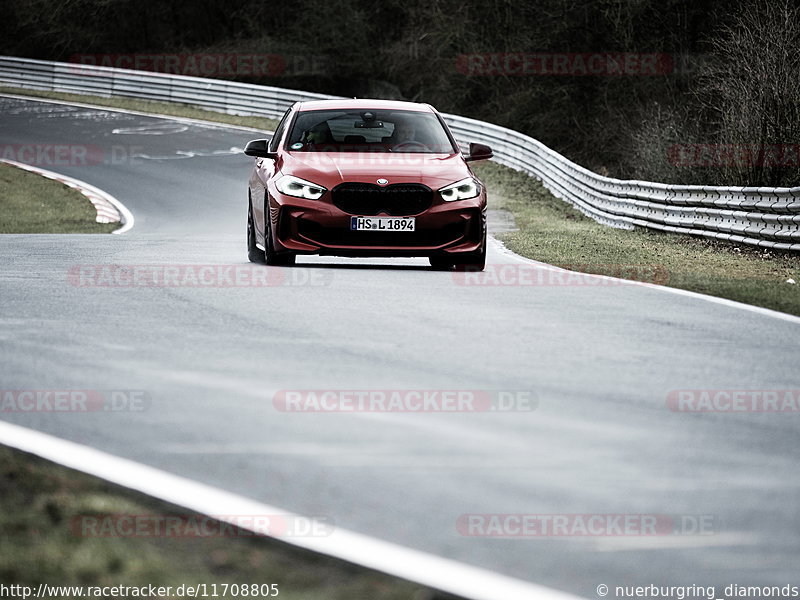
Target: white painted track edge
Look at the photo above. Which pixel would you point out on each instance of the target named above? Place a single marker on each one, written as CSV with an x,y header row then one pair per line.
x,y
91,192
433,571
501,247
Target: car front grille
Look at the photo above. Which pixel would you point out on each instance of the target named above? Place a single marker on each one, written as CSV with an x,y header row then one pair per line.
x,y
397,200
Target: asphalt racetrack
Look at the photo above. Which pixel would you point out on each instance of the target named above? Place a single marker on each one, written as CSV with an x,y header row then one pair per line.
x,y
601,360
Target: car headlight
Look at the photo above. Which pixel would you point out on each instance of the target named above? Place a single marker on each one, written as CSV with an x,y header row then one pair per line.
x,y
299,188
460,190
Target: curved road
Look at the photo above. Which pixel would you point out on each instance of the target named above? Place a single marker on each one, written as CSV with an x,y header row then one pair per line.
x,y
602,360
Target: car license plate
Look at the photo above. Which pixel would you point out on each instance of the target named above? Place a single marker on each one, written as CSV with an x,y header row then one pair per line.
x,y
382,223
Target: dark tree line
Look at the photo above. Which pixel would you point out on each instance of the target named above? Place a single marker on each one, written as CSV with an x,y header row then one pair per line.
x,y
725,110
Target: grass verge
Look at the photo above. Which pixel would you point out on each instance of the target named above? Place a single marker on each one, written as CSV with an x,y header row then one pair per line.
x,y
41,544
552,231
30,203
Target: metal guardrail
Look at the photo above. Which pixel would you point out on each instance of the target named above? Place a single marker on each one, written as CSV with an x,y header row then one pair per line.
x,y
767,217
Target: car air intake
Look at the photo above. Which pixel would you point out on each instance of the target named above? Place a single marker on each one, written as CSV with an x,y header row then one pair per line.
x,y
398,199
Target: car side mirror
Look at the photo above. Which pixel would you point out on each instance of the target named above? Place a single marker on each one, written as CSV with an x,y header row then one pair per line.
x,y
478,152
259,148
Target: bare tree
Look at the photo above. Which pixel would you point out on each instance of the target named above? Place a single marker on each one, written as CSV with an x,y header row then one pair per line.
x,y
753,90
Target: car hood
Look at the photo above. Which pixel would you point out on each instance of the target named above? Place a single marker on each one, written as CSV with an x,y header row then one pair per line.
x,y
329,169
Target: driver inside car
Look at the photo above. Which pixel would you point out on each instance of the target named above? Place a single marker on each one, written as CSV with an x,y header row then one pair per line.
x,y
404,131
404,137
319,134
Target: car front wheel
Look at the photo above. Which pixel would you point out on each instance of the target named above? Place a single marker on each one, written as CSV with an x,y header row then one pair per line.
x,y
272,257
474,261
254,253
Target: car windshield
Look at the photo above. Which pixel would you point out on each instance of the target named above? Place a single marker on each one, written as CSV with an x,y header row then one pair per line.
x,y
365,130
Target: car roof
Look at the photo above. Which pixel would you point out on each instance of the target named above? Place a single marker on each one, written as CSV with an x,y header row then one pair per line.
x,y
363,103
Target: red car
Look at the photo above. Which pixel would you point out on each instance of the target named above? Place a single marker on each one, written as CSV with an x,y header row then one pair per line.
x,y
365,178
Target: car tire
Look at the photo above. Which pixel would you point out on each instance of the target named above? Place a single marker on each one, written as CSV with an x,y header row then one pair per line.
x,y
254,253
475,261
272,257
472,262
441,263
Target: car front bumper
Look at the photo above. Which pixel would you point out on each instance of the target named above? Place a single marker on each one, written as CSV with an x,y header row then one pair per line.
x,y
318,227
